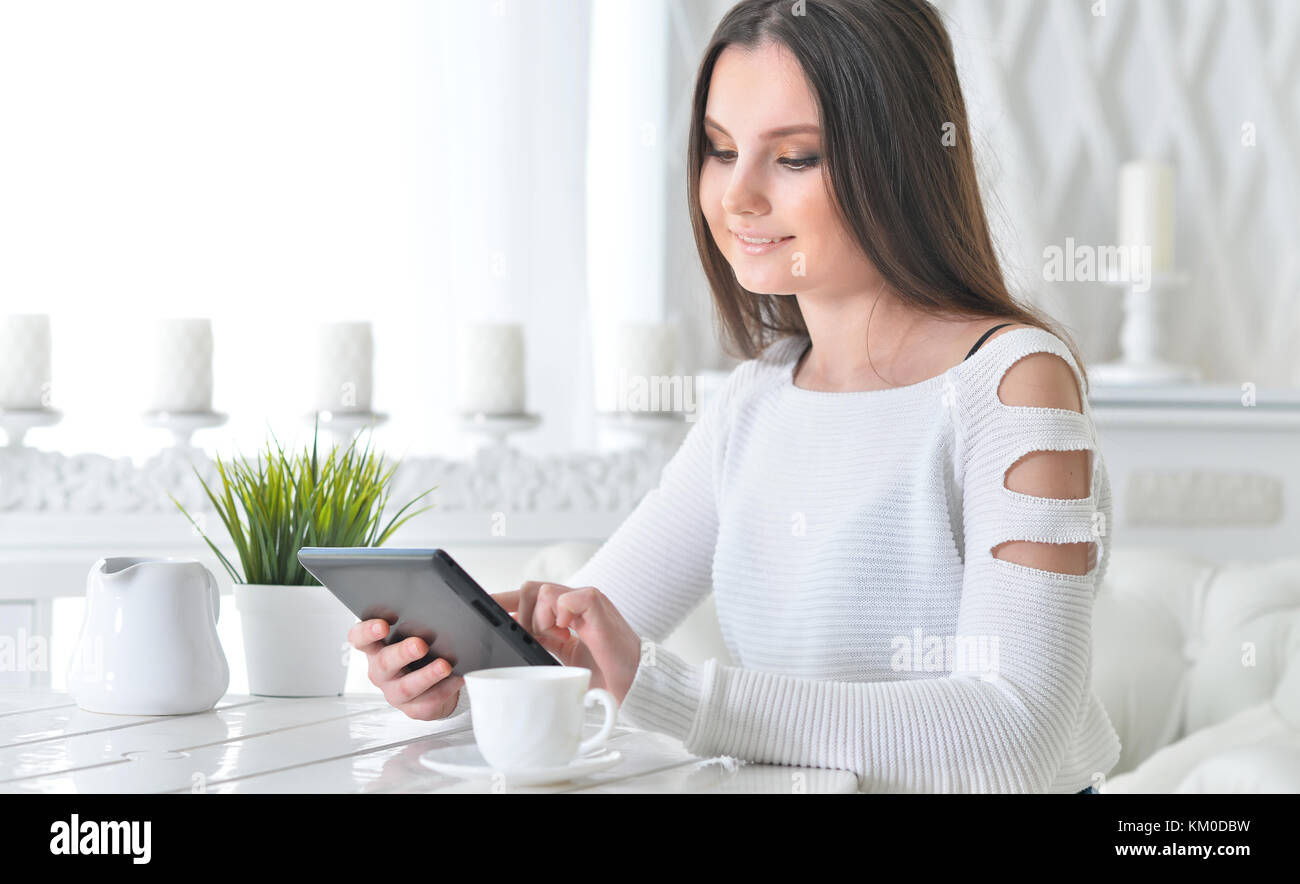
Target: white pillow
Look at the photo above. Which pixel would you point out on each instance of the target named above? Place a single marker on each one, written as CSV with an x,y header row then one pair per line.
x,y
1250,769
1258,728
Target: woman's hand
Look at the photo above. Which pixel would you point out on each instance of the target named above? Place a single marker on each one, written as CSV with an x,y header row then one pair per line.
x,y
428,693
604,643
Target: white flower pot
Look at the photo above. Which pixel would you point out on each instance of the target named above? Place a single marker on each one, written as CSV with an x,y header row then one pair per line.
x,y
295,640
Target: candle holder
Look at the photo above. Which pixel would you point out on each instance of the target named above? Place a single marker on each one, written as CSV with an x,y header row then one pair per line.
x,y
17,421
1140,337
642,428
497,428
184,424
344,425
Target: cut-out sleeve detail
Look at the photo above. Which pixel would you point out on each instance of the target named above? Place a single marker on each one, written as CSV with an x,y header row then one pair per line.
x,y
1042,618
999,436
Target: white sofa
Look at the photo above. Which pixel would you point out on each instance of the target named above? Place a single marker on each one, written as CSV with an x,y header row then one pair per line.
x,y
1198,665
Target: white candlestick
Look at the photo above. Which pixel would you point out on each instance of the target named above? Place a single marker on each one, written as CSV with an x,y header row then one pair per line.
x,y
641,352
1146,211
345,355
25,361
181,368
490,368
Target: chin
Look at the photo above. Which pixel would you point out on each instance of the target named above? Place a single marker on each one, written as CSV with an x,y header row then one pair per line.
x,y
761,285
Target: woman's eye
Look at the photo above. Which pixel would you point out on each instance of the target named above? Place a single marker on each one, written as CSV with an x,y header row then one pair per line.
x,y
800,163
797,164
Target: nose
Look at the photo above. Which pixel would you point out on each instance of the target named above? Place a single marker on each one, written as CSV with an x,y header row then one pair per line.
x,y
744,193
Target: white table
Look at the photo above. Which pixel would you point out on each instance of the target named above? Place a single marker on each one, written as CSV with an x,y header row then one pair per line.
x,y
354,743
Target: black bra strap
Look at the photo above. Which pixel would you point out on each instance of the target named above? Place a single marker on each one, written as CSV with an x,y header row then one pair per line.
x,y
984,338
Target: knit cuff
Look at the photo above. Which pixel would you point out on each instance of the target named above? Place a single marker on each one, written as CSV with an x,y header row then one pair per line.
x,y
666,693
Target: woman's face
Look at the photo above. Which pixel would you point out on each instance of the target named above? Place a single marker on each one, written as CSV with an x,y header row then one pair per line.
x,y
772,184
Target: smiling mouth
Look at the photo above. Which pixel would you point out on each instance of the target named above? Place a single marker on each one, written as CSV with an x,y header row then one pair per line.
x,y
760,248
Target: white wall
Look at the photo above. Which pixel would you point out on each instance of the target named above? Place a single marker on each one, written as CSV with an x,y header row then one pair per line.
x,y
268,164
1059,97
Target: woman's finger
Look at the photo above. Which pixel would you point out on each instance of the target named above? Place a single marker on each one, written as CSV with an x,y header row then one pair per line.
x,y
367,635
553,646
436,702
528,601
590,614
544,613
412,685
393,659
507,600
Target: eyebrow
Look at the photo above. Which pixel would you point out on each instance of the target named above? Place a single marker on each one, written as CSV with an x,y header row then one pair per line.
x,y
770,133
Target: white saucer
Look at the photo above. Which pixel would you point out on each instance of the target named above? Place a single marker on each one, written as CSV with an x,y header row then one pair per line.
x,y
465,762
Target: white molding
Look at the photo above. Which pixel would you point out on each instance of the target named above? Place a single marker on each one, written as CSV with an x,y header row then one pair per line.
x,y
60,513
46,483
1240,420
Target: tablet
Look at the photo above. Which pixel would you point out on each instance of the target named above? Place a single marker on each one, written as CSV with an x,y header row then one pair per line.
x,y
424,592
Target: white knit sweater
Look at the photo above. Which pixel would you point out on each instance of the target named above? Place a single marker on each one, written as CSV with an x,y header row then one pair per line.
x,y
847,538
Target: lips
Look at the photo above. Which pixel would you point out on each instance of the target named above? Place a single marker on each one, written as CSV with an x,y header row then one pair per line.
x,y
758,234
760,248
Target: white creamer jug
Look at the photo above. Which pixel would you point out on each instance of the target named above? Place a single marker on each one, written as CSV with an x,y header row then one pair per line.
x,y
148,643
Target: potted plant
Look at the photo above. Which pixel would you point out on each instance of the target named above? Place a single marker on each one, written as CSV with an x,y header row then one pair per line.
x,y
295,630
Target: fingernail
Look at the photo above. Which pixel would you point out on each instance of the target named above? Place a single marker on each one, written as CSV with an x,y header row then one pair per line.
x,y
376,629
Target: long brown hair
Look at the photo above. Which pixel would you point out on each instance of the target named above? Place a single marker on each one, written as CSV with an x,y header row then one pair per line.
x,y
885,81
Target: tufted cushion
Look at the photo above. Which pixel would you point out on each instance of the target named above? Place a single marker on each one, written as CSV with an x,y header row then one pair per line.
x,y
1247,769
1173,640
1139,667
1253,751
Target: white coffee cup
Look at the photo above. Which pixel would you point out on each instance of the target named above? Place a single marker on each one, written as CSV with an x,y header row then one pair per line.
x,y
531,716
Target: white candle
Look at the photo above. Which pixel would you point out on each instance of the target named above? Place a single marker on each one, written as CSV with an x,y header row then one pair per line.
x,y
181,367
25,361
1146,210
490,368
345,358
644,365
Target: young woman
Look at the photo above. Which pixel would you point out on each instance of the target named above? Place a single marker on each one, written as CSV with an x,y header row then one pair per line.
x,y
897,498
